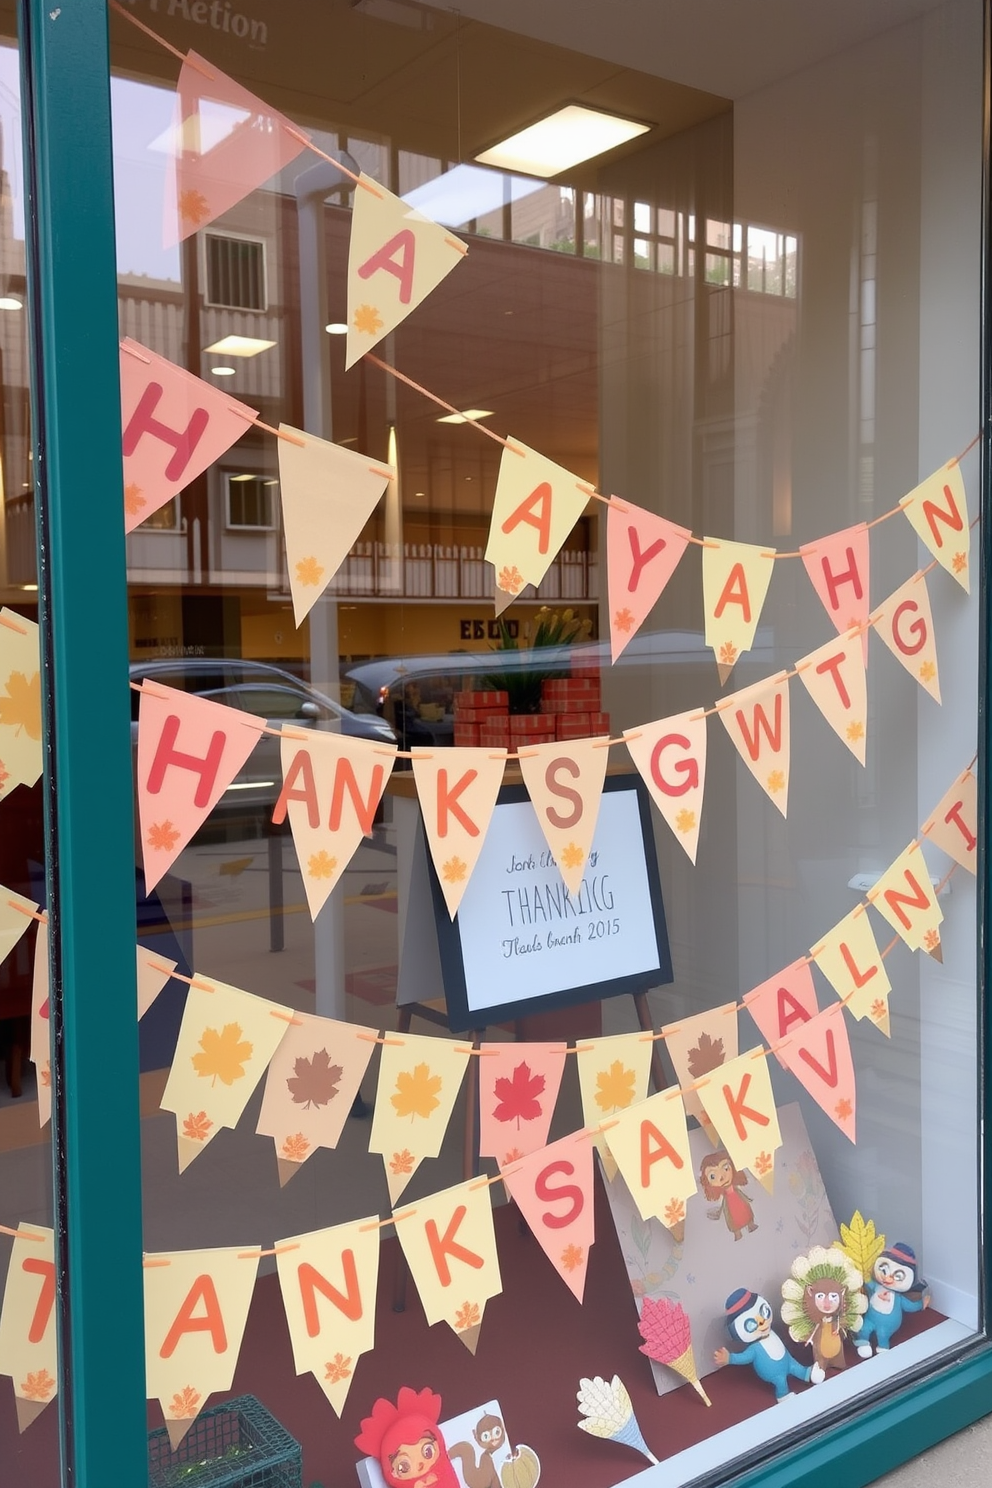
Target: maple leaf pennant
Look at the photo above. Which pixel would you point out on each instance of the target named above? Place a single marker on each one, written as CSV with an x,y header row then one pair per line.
x,y
20,702
698,1045
518,1088
455,1280
28,1344
537,503
565,1226
419,1080
457,789
649,1142
642,552
670,756
312,1082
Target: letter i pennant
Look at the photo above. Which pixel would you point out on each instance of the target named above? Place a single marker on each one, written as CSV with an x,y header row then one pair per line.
x,y
518,1088
642,552
28,1346
741,1106
457,790
849,958
328,1280
565,784
938,511
757,719
954,824
450,1246
537,503
419,1079
553,1189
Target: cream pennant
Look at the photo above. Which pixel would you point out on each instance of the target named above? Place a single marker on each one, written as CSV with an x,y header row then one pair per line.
x,y
642,552
196,1308
938,511
741,1105
16,914
834,677
650,1144
565,784
613,1074
154,972
328,1279
41,1024
537,503
449,1244
757,719
953,827
189,751
395,258
782,1002
28,1342
518,1088
735,582
20,702
698,1045
457,789
838,568
226,1040
905,896
849,958
819,1055
905,623
328,494
419,1080
553,1189
671,758
312,1081
332,786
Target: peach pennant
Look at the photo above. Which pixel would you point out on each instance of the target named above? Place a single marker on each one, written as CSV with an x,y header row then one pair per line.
x,y
20,702
553,1189
782,1002
671,758
819,1055
757,719
697,1046
735,582
154,972
457,789
537,503
28,1342
41,1024
905,896
419,1081
565,784
849,958
838,568
741,1105
938,512
450,1246
834,676
310,1086
16,914
905,623
518,1088
953,827
642,552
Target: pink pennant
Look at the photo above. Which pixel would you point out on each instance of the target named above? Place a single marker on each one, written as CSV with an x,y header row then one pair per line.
x,y
819,1055
553,1189
175,425
642,553
518,1088
838,570
782,1002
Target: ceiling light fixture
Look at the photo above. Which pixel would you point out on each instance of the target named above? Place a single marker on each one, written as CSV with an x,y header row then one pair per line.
x,y
233,478
337,328
467,413
239,346
222,371
10,302
568,136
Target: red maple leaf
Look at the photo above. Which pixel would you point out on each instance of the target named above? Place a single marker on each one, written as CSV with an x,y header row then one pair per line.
x,y
518,1095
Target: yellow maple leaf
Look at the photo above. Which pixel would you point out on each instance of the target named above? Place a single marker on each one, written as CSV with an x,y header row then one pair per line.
x,y
162,835
21,708
623,620
337,1369
571,855
454,870
927,671
615,1087
309,571
321,865
224,1054
685,820
776,781
416,1092
368,319
133,499
855,731
193,207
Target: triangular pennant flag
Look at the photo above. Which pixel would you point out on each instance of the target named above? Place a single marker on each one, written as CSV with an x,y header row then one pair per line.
x,y
154,972
28,1343
328,1280
328,494
226,1040
553,1189
819,1055
311,1085
613,1074
757,719
450,1246
518,1088
938,510
41,1024
838,570
671,758
905,896
565,784
175,425
20,702
332,786
834,677
395,258
16,914
189,751
642,553
537,503
905,623
782,1002
419,1080
953,827
735,581
226,143
650,1145
196,1308
849,958
741,1105
698,1045
457,789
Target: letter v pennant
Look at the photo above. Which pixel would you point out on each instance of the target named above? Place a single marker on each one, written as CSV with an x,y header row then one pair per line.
x,y
819,1055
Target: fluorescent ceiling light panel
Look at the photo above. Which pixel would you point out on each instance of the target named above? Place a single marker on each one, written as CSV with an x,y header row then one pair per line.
x,y
222,371
337,328
233,478
239,346
467,193
10,302
465,415
564,138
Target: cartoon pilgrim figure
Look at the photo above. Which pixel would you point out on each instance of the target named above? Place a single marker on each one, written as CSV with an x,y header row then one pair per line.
x,y
894,1275
722,1184
749,1322
823,1303
405,1440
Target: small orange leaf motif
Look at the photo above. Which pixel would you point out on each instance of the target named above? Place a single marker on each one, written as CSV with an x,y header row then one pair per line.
x,y
193,207
571,855
402,1162
514,1155
21,708
685,820
762,1164
321,865
931,939
615,1087
959,561
510,579
162,835
196,1127
674,1212
454,870
879,1008
927,671
295,1149
37,1386
727,654
368,319
309,571
572,1257
416,1092
623,620
185,1404
4,775
776,781
337,1369
224,1055
467,1316
843,1110
46,1075
133,499
855,731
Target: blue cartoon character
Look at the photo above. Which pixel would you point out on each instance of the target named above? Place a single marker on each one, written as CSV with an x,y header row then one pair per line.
x,y
894,1275
749,1322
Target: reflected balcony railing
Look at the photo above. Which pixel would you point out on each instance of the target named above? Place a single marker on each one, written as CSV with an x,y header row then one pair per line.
x,y
378,570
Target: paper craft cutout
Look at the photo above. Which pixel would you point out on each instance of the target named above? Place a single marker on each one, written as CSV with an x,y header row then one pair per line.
x,y
395,258
328,494
175,426
953,827
834,677
838,568
607,1412
553,1189
28,1341
20,702
823,1304
189,751
781,1003
819,1055
671,758
154,972
226,1040
395,1434
565,784
16,914
537,503
312,1081
890,1288
227,143
41,1025
698,1045
749,1323
905,896
499,1463
741,1105
849,958
757,719
196,1308
905,623
419,1080
328,1279
735,582
664,1326
650,1145
457,789
938,511
450,1246
642,552
613,1076
861,1244
518,1088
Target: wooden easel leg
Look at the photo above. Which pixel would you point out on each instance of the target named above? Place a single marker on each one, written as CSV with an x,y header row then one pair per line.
x,y
470,1156
644,1019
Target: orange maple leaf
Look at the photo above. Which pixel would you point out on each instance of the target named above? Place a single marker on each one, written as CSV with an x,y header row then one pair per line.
x,y
572,855
615,1087
402,1162
337,1369
185,1403
4,775
685,820
510,579
37,1386
46,1075
309,571
467,1316
572,1256
674,1212
321,865
855,731
21,708
368,319
762,1164
196,1126
879,1008
194,207
959,561
514,1155
776,781
927,671
162,835
931,939
416,1092
727,654
623,620
454,870
224,1055
843,1110
133,499
295,1149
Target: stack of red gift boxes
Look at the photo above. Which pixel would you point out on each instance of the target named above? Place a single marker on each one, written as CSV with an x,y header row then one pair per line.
x,y
571,708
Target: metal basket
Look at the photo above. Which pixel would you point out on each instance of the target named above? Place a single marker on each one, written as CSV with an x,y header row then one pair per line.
x,y
234,1445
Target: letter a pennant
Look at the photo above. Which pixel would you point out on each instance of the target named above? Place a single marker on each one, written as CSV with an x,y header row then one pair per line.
x,y
419,1079
905,896
642,553
395,258
650,1144
671,758
328,494
565,784
954,824
518,1088
849,958
819,1055
450,1246
537,503
196,1308
741,1106
735,582
189,751
838,570
175,425
457,790
938,511
834,677
553,1189
905,623
328,1281
781,1002
20,702
757,719
28,1345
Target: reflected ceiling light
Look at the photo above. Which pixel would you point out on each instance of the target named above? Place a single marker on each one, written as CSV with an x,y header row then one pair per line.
x,y
222,371
270,483
233,478
337,328
239,346
467,193
31,588
10,302
465,415
566,137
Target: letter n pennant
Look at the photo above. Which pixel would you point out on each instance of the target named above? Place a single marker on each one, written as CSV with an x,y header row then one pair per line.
x,y
938,511
650,1144
905,896
553,1189
782,1002
954,824
905,623
537,503
838,570
834,677
671,758
450,1246
819,1055
642,552
849,958
28,1346
328,1280
735,582
565,784
741,1105
518,1088
457,790
20,702
419,1079
757,719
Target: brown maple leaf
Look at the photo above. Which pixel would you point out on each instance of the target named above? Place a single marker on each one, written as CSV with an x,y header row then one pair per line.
x,y
194,207
309,571
337,1369
572,1257
185,1403
368,319
133,499
315,1081
37,1386
196,1126
416,1092
162,835
21,708
518,1095
708,1054
295,1149
224,1054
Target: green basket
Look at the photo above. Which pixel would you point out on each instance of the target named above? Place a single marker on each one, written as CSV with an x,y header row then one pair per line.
x,y
234,1445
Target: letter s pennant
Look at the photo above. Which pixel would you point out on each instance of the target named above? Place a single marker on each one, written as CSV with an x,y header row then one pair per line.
x,y
565,784
553,1189
457,790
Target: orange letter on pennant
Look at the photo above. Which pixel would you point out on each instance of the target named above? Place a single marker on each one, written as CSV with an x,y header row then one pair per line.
x,y
211,1322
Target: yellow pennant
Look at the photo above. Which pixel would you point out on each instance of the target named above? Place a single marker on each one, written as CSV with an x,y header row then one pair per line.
x,y
613,1075
757,719
154,972
419,1079
565,784
537,503
450,1246
953,827
938,510
905,623
905,896
650,1142
671,758
735,582
20,702
698,1045
457,789
310,1087
834,677
28,1344
741,1105
849,958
